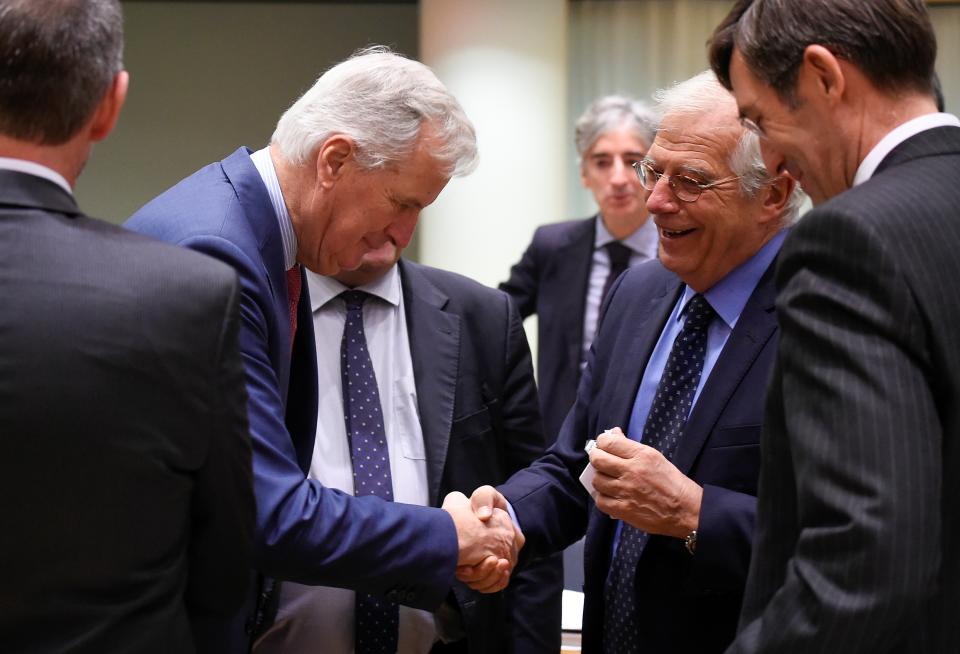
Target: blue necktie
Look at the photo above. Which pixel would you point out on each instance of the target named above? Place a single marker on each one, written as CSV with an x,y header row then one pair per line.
x,y
376,627
668,414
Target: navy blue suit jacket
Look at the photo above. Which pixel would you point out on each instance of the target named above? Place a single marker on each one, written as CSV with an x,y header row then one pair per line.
x,y
686,603
551,280
478,412
305,532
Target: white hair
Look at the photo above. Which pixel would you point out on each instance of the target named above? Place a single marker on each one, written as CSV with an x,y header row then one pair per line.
x,y
703,94
611,113
380,100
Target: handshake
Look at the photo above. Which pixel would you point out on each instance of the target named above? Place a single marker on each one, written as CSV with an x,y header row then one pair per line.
x,y
489,541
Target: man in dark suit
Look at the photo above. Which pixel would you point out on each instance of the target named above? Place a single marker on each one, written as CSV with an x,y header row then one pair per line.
x,y
456,389
858,524
349,168
125,467
569,266
680,363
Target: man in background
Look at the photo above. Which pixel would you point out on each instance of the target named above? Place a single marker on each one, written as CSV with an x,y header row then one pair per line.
x,y
447,363
680,365
126,477
858,525
569,266
348,170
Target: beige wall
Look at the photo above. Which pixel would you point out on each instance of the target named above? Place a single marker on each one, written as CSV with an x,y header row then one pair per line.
x,y
207,77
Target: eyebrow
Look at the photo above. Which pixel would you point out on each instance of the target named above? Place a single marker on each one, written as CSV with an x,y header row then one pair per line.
x,y
683,169
632,153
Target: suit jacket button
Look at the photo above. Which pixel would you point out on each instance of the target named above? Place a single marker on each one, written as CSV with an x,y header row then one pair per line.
x,y
411,596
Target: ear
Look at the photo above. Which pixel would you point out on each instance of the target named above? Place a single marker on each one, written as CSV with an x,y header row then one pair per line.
x,y
775,197
108,111
333,156
821,74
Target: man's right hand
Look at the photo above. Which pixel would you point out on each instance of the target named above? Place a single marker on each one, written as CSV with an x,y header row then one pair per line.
x,y
489,543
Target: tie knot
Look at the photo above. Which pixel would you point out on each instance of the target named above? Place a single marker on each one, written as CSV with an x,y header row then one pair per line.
x,y
619,254
699,313
354,299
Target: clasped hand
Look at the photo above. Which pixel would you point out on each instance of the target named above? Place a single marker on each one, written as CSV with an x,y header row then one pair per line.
x,y
488,540
637,484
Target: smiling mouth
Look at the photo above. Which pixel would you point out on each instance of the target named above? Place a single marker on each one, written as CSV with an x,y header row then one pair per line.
x,y
674,233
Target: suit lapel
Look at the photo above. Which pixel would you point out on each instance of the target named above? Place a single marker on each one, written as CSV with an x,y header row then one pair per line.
x,y
572,274
435,350
756,325
645,324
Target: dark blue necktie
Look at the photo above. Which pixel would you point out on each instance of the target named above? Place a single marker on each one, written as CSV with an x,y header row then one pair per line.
x,y
619,261
377,620
668,414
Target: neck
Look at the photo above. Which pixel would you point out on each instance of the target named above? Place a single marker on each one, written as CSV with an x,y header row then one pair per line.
x,y
67,159
620,227
881,113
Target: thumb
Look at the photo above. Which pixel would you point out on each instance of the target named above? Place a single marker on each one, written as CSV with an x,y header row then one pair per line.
x,y
484,500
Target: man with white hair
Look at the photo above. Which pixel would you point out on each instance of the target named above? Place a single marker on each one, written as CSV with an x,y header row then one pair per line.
x,y
349,168
680,364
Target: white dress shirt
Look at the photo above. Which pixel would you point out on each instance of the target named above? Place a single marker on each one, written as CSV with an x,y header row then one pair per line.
x,y
897,136
644,242
314,619
33,168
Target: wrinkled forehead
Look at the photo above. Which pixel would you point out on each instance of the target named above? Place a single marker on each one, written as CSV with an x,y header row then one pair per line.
x,y
696,141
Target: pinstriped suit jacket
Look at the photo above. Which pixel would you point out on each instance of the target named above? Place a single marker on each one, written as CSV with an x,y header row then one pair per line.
x,y
858,524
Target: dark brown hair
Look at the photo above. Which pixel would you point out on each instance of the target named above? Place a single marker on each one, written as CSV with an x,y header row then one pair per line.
x,y
57,59
891,41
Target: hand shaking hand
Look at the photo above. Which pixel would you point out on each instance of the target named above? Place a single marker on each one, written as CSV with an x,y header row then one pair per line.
x,y
637,484
489,542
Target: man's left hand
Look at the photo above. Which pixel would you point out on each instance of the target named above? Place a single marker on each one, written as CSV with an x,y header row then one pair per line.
x,y
637,484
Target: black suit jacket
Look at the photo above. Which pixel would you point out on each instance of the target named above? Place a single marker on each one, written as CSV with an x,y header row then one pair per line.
x,y
478,411
551,281
126,475
686,604
858,527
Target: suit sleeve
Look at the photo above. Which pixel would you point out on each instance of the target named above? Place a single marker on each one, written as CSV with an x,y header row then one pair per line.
x,y
724,539
524,282
316,535
223,510
861,433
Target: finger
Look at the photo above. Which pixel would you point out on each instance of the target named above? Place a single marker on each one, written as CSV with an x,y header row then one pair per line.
x,y
470,574
496,581
605,462
455,498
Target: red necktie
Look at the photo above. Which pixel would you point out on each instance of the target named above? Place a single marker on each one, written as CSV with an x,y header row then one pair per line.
x,y
293,294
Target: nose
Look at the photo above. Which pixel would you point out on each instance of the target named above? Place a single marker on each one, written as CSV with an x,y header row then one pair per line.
x,y
661,200
773,159
401,230
622,173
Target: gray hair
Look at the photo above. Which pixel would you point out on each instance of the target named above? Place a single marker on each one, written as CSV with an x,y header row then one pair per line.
x,y
610,113
57,60
380,100
702,94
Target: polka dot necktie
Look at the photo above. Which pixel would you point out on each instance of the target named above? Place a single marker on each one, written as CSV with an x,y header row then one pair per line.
x,y
377,619
668,414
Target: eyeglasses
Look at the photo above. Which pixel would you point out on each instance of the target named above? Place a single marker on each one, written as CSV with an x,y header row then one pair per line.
x,y
685,188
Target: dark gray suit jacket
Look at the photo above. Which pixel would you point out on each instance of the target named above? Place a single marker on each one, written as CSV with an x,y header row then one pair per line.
x,y
551,280
480,421
858,522
125,465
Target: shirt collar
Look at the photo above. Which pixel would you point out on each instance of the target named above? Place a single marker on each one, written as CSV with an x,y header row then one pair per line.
x,y
644,239
324,289
897,136
38,170
730,294
264,165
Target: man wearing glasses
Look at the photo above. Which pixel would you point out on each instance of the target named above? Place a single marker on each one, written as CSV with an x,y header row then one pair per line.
x,y
680,366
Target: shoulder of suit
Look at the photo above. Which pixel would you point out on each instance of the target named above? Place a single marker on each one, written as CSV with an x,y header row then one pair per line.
x,y
561,233
649,276
456,286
